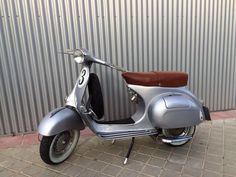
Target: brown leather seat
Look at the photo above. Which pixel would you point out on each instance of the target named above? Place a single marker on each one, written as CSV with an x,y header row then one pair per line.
x,y
161,79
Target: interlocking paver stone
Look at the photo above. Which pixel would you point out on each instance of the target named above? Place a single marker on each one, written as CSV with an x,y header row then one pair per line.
x,y
146,150
117,161
115,150
82,161
5,172
143,175
61,175
106,157
4,160
46,173
169,173
15,164
32,170
173,166
151,170
216,141
163,147
102,175
89,173
230,154
97,165
180,151
19,175
177,158
134,165
207,173
199,142
59,167
92,154
73,170
26,156
112,170
215,146
161,154
192,171
185,175
229,162
196,154
230,146
157,161
227,175
141,157
214,159
198,148
128,173
215,151
194,162
229,170
210,153
213,167
35,159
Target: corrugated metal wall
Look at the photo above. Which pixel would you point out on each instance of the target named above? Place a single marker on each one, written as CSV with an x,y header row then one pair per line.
x,y
197,36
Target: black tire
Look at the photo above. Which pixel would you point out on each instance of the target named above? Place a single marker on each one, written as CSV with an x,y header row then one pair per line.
x,y
44,148
48,144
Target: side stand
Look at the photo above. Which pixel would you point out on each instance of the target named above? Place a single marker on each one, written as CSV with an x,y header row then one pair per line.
x,y
129,151
113,141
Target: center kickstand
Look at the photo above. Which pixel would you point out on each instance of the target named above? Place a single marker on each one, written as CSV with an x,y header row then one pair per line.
x,y
129,151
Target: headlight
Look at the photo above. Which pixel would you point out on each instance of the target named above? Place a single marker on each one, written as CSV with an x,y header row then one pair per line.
x,y
79,59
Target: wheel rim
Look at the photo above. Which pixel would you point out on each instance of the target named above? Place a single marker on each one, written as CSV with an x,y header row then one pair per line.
x,y
63,145
186,131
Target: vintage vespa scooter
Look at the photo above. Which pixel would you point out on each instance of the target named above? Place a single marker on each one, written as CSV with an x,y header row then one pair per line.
x,y
165,109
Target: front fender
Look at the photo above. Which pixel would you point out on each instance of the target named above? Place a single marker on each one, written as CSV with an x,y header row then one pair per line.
x,y
59,120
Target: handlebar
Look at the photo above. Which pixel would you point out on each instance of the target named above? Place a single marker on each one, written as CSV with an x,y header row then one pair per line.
x,y
89,58
76,52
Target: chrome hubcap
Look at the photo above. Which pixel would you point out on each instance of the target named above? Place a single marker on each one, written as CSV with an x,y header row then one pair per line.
x,y
62,142
176,131
63,145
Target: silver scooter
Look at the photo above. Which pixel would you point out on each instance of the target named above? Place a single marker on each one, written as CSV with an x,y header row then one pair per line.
x,y
165,110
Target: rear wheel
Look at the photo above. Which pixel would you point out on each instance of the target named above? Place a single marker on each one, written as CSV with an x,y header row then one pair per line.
x,y
56,149
179,132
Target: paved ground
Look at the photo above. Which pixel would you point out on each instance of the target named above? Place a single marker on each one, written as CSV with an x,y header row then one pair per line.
x,y
211,153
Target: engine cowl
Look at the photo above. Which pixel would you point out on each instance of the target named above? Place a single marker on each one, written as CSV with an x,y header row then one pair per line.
x,y
174,111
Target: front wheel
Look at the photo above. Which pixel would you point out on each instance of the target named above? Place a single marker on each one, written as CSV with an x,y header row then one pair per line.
x,y
56,149
179,132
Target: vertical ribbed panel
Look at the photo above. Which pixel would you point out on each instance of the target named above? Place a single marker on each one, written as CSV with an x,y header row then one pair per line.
x,y
198,37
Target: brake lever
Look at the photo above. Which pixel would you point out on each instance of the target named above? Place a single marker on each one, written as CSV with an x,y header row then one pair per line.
x,y
70,52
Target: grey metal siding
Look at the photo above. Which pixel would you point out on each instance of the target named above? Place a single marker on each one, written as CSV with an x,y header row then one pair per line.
x,y
197,36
